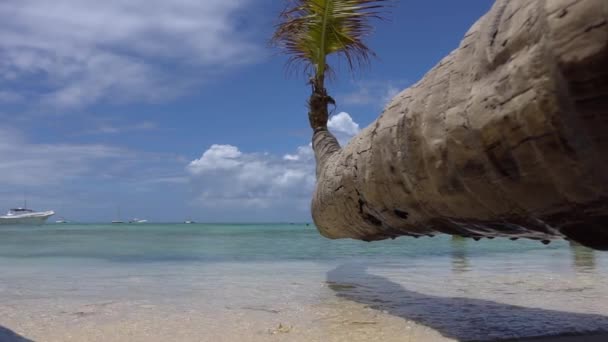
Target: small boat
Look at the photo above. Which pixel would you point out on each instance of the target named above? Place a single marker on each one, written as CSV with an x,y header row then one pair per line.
x,y
189,222
61,220
118,219
26,216
136,220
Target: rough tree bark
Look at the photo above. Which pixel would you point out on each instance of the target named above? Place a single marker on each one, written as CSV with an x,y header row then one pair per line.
x,y
506,136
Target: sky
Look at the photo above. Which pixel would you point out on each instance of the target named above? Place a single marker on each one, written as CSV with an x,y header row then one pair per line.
x,y
179,109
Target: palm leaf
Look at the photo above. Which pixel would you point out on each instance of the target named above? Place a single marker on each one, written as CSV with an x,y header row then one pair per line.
x,y
311,30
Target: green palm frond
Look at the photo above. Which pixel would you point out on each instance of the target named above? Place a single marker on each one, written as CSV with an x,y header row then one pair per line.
x,y
311,30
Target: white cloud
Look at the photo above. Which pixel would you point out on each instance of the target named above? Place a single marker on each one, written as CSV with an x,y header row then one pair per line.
x,y
109,128
343,127
302,153
217,157
343,123
230,178
26,164
79,52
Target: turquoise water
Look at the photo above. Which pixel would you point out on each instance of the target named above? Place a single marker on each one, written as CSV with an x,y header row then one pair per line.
x,y
264,274
217,243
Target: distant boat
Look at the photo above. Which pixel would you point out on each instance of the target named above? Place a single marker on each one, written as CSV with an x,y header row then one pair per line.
x,y
61,220
118,219
136,220
26,216
189,222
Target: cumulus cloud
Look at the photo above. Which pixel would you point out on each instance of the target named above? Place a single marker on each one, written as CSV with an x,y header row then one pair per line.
x,y
79,52
302,153
229,177
343,127
217,157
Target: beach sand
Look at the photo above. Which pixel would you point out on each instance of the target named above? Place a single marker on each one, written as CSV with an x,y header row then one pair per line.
x,y
297,302
143,324
147,322
229,302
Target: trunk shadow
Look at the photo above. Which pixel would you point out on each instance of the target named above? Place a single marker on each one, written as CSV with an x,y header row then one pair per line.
x,y
464,319
7,335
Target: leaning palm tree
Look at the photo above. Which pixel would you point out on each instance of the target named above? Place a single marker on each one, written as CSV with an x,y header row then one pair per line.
x,y
312,30
506,137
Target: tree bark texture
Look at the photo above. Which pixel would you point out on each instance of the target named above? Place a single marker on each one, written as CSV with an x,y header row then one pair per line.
x,y
506,136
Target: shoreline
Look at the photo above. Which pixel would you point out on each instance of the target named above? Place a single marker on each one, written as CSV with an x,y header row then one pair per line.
x,y
274,284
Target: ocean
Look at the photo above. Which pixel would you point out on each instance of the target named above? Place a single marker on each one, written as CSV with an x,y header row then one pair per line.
x,y
284,282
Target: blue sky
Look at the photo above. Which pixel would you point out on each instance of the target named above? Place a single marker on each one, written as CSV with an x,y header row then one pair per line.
x,y
175,109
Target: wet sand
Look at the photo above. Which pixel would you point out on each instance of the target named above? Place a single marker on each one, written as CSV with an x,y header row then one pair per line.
x,y
303,301
254,324
222,303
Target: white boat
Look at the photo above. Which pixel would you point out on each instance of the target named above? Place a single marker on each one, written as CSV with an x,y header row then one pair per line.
x,y
26,216
61,220
136,220
118,219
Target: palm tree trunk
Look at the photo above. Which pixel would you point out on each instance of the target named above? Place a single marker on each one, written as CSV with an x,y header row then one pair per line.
x,y
506,136
325,144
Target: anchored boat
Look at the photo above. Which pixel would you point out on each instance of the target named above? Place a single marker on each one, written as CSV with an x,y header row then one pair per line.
x,y
26,216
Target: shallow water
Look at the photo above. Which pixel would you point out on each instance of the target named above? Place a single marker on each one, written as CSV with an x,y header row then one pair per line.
x,y
285,282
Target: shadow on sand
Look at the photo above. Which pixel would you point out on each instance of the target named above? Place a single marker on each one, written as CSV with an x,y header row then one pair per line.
x,y
464,319
7,335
